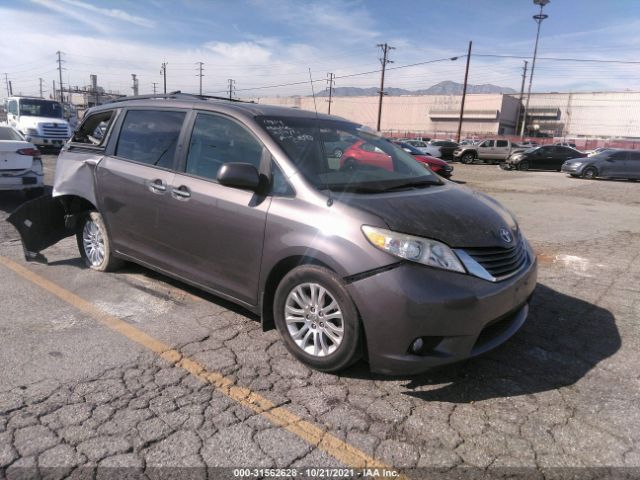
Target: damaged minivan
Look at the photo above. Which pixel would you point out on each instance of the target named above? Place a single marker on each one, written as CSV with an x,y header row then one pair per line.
x,y
348,260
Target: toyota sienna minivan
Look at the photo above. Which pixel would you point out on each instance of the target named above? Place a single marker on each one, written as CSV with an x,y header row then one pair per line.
x,y
394,265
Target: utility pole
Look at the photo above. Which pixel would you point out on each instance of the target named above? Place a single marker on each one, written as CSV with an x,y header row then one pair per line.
x,y
54,90
538,19
134,87
6,81
200,74
232,88
41,96
464,92
163,72
59,53
330,80
384,60
154,87
524,77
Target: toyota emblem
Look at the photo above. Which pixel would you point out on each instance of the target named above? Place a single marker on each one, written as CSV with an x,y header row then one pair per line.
x,y
505,235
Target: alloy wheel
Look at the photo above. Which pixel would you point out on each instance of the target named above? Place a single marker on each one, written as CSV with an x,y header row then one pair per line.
x,y
314,319
93,243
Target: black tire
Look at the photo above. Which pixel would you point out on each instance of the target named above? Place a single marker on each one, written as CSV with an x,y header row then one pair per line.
x,y
108,262
589,173
349,350
523,165
467,158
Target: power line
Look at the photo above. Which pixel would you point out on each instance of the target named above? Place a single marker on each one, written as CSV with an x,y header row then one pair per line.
x,y
384,60
232,88
163,72
59,53
588,60
330,80
200,74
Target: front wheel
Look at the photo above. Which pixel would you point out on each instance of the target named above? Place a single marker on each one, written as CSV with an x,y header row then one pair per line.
x,y
317,319
589,173
523,165
467,158
94,245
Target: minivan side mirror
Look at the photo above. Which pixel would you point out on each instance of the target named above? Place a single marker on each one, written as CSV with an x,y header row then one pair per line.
x,y
239,175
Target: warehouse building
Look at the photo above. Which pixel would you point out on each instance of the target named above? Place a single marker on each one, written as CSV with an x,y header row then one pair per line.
x,y
566,115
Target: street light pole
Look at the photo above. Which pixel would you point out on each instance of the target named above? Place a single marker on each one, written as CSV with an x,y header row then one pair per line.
x,y
538,18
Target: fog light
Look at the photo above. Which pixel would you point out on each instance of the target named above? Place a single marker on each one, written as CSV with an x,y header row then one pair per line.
x,y
425,345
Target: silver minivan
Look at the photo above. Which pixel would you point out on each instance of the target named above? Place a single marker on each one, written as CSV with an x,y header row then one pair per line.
x,y
376,258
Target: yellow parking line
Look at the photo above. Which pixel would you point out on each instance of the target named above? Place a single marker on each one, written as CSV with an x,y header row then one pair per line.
x,y
308,431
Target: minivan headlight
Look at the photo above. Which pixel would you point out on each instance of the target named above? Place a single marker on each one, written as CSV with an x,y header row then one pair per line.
x,y
416,249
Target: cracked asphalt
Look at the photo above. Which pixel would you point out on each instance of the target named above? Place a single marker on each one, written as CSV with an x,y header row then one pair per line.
x,y
558,400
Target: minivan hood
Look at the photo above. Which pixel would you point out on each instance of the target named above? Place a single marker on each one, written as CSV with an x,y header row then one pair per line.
x,y
457,216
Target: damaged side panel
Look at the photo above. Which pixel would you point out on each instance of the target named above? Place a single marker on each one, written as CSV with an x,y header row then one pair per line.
x,y
75,175
45,221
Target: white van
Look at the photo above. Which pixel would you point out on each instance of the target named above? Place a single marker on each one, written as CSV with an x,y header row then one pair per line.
x,y
40,121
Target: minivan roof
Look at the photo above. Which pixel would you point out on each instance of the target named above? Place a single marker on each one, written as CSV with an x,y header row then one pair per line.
x,y
187,101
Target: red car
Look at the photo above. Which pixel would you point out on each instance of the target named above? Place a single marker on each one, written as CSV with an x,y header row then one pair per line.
x,y
363,152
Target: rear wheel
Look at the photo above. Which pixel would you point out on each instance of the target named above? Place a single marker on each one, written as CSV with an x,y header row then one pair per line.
x,y
317,319
589,173
337,153
523,165
467,158
94,245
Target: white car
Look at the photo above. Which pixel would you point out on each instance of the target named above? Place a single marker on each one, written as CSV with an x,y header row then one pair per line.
x,y
425,148
20,163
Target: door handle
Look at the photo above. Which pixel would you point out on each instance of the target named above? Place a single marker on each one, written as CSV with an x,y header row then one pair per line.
x,y
157,186
181,193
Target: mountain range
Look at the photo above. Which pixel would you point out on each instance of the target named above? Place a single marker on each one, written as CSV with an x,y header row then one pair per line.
x,y
443,88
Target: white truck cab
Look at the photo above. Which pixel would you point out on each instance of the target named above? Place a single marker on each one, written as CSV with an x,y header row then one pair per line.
x,y
40,121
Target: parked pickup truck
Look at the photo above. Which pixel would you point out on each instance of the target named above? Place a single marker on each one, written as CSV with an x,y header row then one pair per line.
x,y
492,150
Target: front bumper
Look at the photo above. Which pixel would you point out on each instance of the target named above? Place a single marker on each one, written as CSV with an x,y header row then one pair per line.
x,y
572,169
46,141
471,315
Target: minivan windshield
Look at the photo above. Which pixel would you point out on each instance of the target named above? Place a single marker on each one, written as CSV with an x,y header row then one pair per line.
x,y
368,162
40,108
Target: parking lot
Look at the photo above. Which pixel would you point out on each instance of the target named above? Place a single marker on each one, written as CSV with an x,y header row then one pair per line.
x,y
132,369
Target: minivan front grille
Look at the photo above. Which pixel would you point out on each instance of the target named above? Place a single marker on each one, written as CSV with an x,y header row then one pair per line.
x,y
500,262
57,131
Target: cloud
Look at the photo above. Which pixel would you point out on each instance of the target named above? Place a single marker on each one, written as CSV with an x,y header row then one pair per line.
x,y
71,14
240,52
112,13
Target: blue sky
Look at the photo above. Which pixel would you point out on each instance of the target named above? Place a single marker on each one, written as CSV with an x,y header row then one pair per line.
x,y
272,42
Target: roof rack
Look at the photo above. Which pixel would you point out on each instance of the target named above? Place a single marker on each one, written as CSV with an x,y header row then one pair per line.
x,y
177,95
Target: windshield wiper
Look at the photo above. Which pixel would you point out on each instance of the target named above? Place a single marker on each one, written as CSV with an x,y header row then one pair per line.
x,y
413,184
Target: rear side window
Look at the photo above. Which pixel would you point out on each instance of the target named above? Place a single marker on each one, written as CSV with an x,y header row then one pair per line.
x,y
218,140
618,156
502,143
93,130
150,136
635,156
7,133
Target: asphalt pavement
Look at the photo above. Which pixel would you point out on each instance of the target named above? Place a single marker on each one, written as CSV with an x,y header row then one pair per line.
x,y
148,377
